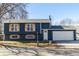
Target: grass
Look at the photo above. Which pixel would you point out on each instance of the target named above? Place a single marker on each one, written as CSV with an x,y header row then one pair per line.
x,y
29,43
24,43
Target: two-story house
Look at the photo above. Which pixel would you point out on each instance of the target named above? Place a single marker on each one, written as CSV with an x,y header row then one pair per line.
x,y
35,29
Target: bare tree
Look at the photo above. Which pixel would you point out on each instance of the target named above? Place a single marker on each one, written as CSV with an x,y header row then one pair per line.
x,y
66,21
13,11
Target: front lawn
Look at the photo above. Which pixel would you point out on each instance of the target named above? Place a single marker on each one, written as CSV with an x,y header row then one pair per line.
x,y
26,43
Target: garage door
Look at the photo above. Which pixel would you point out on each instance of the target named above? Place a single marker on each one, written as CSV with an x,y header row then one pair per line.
x,y
63,35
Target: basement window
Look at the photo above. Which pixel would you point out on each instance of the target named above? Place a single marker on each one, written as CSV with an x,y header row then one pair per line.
x,y
14,36
30,36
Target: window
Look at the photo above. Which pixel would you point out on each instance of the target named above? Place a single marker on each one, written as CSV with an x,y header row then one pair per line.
x,y
14,36
30,36
29,27
14,27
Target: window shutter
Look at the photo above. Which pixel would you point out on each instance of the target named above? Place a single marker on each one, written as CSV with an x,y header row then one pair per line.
x,y
10,27
29,27
33,27
17,27
26,27
14,27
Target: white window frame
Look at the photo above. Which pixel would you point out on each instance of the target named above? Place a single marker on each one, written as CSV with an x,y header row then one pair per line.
x,y
30,27
29,35
11,36
14,26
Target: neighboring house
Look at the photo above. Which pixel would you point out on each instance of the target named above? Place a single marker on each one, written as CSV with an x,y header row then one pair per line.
x,y
35,29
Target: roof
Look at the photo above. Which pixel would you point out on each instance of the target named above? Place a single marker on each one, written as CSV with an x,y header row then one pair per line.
x,y
27,21
60,29
56,27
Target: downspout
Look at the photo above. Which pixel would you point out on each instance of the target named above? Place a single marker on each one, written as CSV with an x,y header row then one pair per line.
x,y
50,41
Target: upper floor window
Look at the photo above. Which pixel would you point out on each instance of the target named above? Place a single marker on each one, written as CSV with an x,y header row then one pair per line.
x,y
14,27
29,27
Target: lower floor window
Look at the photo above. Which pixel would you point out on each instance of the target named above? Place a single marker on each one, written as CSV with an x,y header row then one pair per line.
x,y
30,36
14,36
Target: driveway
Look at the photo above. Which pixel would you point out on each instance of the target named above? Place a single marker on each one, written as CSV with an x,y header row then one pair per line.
x,y
38,51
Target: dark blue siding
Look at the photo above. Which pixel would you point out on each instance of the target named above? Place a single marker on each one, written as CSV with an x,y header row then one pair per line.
x,y
6,28
22,30
57,27
50,35
40,36
74,34
38,27
45,25
22,37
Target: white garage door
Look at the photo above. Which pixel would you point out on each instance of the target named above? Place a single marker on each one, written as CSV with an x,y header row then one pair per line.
x,y
63,35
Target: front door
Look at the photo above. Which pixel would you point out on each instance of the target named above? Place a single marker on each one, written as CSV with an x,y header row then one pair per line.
x,y
45,34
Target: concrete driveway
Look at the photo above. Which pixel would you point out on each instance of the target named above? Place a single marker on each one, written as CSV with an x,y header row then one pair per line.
x,y
38,51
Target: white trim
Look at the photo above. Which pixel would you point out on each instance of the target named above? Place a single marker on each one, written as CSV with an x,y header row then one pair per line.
x,y
17,28
30,27
3,30
2,27
28,21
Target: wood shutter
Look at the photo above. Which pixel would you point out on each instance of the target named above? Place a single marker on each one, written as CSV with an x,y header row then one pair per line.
x,y
10,27
33,27
26,27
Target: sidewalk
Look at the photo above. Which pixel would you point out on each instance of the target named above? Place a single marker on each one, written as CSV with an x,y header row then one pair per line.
x,y
9,48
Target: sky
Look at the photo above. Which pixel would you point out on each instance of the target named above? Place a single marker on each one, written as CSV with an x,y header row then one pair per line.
x,y
58,11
